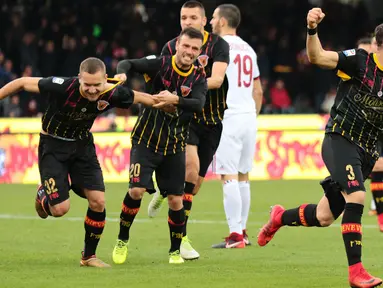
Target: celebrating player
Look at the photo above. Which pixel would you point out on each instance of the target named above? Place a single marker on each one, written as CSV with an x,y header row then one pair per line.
x,y
236,150
206,126
348,149
159,138
66,145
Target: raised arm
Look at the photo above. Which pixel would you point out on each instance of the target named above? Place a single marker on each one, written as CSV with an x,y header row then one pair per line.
x,y
29,84
315,52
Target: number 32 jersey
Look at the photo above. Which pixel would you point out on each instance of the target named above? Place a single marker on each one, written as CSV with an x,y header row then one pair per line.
x,y
241,72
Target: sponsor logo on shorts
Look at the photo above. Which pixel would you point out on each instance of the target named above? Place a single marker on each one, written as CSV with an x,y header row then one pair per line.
x,y
353,183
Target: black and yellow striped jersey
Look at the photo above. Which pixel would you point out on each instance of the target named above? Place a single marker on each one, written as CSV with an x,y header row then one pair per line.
x,y
357,113
214,49
161,131
69,115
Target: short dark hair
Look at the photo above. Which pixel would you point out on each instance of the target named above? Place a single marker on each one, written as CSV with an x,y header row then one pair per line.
x,y
364,40
191,33
379,35
231,13
92,65
194,4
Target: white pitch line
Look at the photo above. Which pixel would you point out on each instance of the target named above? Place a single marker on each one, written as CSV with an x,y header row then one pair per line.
x,y
140,220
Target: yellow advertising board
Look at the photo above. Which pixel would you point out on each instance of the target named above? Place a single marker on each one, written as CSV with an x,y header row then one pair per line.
x,y
279,155
126,124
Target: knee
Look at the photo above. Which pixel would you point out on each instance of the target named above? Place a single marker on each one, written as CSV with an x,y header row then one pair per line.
x,y
97,204
325,219
137,193
60,210
175,202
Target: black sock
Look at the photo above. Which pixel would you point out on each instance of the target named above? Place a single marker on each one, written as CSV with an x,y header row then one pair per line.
x,y
130,208
304,215
188,201
377,190
94,225
176,221
352,232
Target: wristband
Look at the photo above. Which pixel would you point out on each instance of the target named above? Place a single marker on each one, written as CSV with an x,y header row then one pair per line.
x,y
312,31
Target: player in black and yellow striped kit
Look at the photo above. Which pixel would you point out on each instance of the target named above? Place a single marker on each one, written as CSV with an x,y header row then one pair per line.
x,y
66,145
206,126
159,138
349,148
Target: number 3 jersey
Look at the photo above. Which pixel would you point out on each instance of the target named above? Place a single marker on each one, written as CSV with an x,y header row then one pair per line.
x,y
241,72
357,113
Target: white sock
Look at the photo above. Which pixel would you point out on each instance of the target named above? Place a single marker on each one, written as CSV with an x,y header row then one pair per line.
x,y
372,206
232,204
244,188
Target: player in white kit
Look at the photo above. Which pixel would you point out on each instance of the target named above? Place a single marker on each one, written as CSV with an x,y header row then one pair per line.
x,y
235,154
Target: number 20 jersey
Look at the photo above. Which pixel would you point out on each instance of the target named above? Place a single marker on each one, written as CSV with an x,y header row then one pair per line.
x,y
241,72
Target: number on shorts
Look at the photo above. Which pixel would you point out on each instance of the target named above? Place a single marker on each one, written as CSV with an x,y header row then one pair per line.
x,y
134,170
50,186
351,174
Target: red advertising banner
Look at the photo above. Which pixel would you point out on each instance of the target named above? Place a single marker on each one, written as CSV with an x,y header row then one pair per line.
x,y
279,155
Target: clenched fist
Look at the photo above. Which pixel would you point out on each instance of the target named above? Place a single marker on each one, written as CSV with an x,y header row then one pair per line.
x,y
314,17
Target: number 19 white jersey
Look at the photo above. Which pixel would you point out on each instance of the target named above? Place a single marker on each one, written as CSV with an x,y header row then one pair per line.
x,y
242,69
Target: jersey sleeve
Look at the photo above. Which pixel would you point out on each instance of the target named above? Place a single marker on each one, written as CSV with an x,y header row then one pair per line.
x,y
221,51
148,64
122,97
57,85
348,63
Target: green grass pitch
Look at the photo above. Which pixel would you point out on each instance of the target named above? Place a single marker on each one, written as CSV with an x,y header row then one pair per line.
x,y
46,253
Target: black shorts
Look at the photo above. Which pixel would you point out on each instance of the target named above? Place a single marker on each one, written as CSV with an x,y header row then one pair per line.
x,y
60,158
206,138
170,170
348,164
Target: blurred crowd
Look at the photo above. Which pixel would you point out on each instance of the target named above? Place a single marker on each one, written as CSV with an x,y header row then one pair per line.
x,y
51,37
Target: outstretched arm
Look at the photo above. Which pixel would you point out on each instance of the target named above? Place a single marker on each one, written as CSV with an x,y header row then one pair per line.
x,y
315,52
143,98
29,84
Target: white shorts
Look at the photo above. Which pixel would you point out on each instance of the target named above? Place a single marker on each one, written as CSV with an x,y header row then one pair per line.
x,y
236,149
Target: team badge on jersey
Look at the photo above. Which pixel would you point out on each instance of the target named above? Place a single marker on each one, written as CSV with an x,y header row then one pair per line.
x,y
349,53
102,104
203,60
185,91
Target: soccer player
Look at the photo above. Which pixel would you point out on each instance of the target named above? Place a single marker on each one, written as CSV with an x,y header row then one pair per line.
x,y
376,185
348,149
236,150
159,138
206,126
66,145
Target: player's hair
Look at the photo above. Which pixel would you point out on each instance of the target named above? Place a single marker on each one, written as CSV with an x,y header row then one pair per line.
x,y
92,65
192,33
194,4
379,35
231,13
364,40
